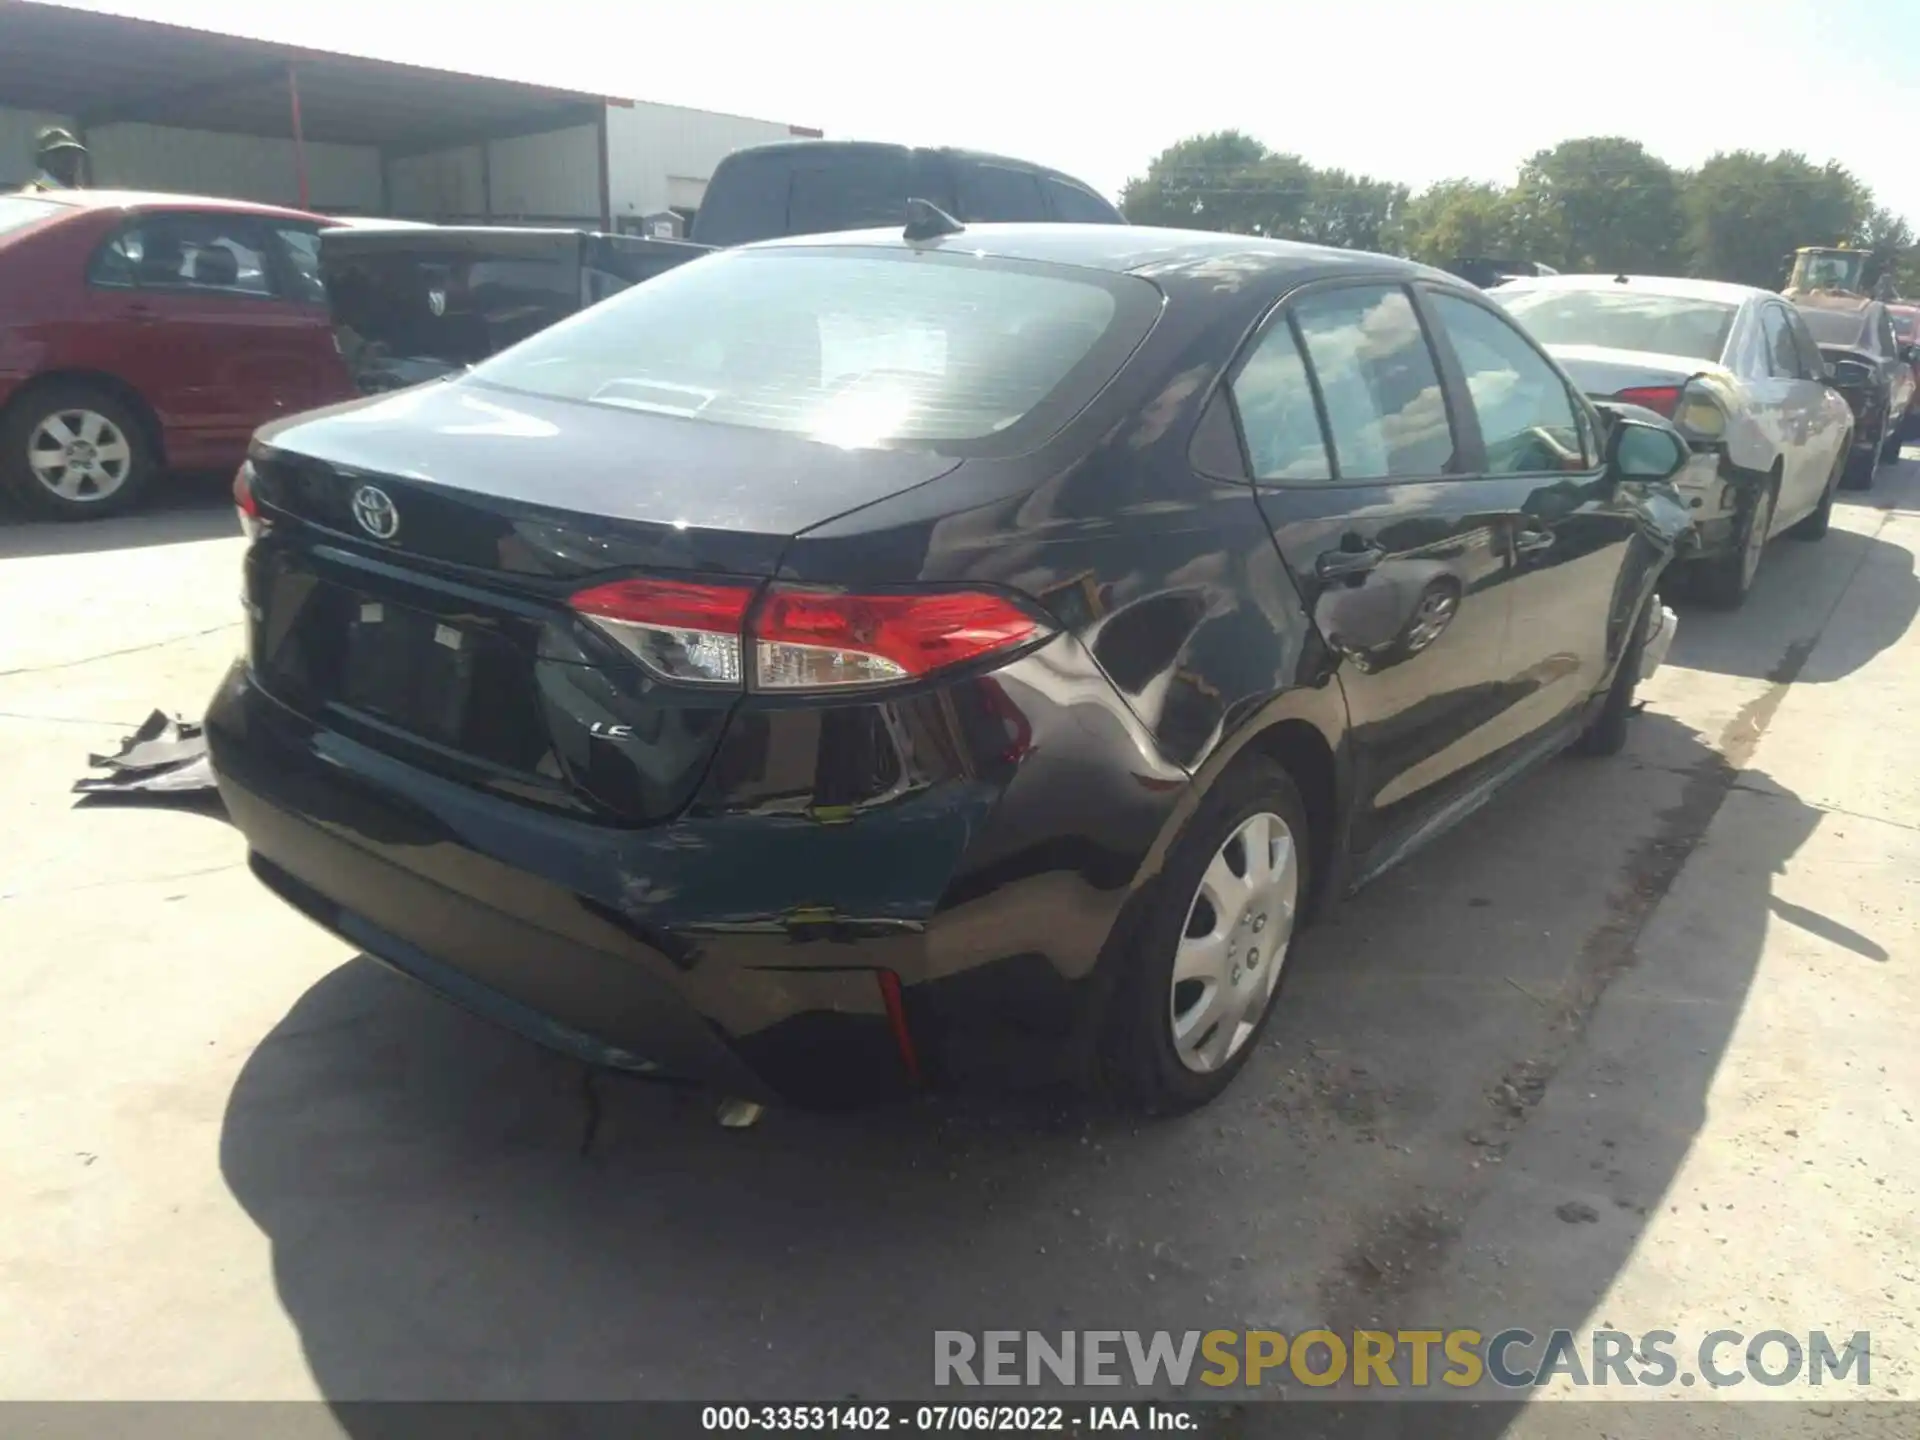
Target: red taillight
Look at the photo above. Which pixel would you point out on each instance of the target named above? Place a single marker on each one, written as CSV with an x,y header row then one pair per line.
x,y
251,523
1659,398
820,639
689,633
802,639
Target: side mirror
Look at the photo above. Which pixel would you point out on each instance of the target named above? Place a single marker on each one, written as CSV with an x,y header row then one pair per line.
x,y
1639,451
1910,354
1850,375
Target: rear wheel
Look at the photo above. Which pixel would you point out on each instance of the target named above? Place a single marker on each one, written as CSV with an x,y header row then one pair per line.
x,y
1726,579
72,451
1200,979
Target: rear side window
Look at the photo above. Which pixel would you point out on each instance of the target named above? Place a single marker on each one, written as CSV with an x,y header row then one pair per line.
x,y
1813,363
867,349
1075,206
300,244
1385,408
1528,421
1783,356
857,193
1277,415
991,193
199,253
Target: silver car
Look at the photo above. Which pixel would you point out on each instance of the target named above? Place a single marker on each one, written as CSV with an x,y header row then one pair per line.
x,y
1738,372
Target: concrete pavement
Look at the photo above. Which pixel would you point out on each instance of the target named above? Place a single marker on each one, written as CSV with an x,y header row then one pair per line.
x,y
237,1161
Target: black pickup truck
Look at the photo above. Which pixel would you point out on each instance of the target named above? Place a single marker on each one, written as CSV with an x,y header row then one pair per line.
x,y
412,303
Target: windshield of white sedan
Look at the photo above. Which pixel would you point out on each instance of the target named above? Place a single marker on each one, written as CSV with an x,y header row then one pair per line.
x,y
851,348
1623,320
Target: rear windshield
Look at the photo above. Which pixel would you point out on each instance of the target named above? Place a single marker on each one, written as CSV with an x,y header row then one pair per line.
x,y
1622,320
18,211
858,347
1834,327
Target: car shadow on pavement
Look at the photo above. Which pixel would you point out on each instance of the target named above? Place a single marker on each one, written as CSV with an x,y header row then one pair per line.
x,y
454,1213
1792,598
188,508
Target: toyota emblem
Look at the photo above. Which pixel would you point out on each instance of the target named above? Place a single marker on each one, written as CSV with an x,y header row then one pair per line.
x,y
437,302
373,508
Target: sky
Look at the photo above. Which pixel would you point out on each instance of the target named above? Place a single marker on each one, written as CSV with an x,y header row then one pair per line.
x,y
1408,90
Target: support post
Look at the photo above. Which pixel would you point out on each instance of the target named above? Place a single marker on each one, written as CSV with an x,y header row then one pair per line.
x,y
299,140
606,173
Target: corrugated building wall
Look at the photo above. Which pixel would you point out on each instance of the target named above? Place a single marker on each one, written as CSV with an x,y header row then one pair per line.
x,y
340,178
661,156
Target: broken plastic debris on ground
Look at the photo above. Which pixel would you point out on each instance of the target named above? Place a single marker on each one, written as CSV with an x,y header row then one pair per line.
x,y
164,757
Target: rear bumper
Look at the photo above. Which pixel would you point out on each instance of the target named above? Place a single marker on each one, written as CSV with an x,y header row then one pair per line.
x,y
712,948
1654,653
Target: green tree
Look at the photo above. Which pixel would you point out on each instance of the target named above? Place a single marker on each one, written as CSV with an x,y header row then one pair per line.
x,y
1457,219
1229,181
1747,213
1603,203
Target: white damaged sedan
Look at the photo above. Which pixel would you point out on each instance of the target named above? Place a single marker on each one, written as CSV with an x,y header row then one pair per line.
x,y
1737,371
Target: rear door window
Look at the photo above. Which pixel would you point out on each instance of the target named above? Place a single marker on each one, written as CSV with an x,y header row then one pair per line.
x,y
1385,407
188,252
856,192
999,193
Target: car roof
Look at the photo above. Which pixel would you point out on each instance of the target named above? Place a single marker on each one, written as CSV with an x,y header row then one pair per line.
x,y
1219,261
952,152
163,200
1677,287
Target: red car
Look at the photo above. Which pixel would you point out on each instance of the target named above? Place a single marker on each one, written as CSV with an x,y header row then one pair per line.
x,y
1906,334
142,333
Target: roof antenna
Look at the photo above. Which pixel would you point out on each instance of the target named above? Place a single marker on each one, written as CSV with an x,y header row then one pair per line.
x,y
927,221
1619,279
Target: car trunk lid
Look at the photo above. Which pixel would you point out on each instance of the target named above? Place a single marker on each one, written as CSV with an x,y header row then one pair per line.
x,y
413,586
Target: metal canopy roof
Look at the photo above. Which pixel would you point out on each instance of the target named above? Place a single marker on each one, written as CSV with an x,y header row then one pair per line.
x,y
102,69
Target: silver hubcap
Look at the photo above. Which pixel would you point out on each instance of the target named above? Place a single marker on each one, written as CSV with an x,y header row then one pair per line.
x,y
1757,536
1435,611
1238,929
79,455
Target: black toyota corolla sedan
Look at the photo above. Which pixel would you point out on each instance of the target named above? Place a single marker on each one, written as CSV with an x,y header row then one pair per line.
x,y
841,665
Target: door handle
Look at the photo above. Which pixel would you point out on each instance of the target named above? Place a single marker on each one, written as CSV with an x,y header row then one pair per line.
x,y
1529,541
1349,564
143,314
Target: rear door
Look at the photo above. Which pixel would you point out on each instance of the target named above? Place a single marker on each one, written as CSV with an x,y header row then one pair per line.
x,y
1573,541
209,340
322,377
1400,552
1796,412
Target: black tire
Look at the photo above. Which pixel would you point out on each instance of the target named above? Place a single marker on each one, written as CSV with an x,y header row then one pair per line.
x,y
1891,442
1139,1065
1726,580
1864,465
1606,733
1815,526
22,433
